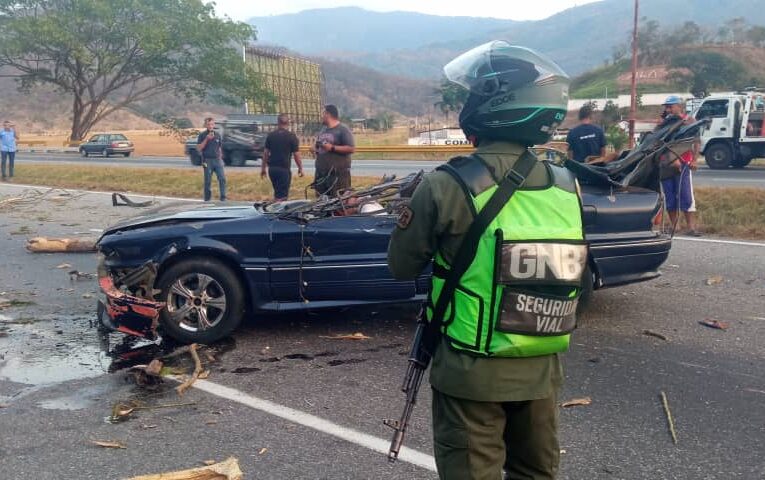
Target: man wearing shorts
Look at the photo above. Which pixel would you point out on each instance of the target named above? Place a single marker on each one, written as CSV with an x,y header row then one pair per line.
x,y
678,190
281,146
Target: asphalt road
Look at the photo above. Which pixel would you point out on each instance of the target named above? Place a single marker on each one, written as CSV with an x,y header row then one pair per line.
x,y
55,389
753,177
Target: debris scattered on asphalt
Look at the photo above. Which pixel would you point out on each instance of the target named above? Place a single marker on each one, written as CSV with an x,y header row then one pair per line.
x,y
181,389
120,412
75,275
755,318
651,333
750,390
4,405
577,402
262,451
265,350
716,324
14,303
148,427
352,336
226,470
121,200
714,280
668,412
60,245
108,444
209,462
594,360
147,375
87,295
64,265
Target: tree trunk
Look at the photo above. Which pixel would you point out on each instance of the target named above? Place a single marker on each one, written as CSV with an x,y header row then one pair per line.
x,y
83,117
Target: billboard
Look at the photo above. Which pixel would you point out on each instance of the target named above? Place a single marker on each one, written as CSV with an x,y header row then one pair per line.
x,y
297,84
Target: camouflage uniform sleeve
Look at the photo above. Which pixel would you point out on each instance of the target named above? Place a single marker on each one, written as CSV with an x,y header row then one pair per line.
x,y
414,240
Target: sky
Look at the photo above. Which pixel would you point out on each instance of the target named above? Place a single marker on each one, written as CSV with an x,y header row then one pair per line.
x,y
509,9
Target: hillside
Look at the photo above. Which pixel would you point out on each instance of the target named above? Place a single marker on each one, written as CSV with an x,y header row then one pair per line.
x,y
579,38
614,78
358,92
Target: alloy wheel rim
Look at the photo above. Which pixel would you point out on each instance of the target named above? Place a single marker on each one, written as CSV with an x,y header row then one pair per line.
x,y
196,302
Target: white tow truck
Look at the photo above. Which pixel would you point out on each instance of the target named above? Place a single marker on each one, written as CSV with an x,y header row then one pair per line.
x,y
736,132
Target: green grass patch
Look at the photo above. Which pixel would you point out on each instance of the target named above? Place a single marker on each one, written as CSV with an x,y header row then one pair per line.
x,y
732,212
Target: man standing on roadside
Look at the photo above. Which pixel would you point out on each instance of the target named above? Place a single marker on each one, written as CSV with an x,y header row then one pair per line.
x,y
8,139
281,145
585,140
334,147
678,189
209,146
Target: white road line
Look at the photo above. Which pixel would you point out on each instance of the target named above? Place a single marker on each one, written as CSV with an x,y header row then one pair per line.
x,y
325,426
40,187
729,242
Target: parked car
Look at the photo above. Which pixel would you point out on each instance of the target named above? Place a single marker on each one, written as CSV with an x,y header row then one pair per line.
x,y
194,274
106,144
243,138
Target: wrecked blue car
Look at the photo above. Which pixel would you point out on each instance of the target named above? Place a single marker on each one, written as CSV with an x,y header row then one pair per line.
x,y
195,274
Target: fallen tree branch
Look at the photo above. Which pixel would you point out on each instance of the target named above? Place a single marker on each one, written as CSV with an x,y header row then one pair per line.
x,y
226,470
181,389
59,245
670,422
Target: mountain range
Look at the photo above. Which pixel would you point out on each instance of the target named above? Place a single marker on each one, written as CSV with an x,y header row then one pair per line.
x,y
418,45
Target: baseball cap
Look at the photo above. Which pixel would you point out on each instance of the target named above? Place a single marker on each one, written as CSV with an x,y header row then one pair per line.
x,y
673,100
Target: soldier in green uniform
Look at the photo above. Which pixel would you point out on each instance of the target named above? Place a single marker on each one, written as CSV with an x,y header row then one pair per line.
x,y
496,374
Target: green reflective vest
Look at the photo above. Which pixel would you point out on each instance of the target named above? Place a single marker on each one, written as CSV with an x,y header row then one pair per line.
x,y
518,297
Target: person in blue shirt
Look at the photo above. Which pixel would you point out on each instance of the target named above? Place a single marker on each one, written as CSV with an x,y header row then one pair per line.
x,y
585,139
8,139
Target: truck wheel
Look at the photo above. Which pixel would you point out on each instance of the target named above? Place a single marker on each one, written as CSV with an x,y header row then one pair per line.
x,y
195,159
237,159
205,301
718,156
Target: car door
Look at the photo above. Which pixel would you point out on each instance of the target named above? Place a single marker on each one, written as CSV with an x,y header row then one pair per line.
x,y
91,145
346,259
339,259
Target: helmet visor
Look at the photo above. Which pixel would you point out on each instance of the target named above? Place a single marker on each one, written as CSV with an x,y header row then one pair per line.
x,y
497,66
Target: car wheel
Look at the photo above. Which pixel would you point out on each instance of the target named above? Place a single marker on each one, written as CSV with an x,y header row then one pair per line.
x,y
588,285
195,159
105,152
83,152
238,159
205,301
718,156
126,154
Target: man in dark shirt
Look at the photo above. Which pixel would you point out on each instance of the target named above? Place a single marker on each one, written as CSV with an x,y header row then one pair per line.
x,y
585,139
281,145
209,145
334,147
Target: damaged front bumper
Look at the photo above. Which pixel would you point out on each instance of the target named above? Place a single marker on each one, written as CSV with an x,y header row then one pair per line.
x,y
126,313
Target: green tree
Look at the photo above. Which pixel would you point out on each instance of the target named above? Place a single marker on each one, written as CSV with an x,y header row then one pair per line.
x,y
616,137
700,72
110,54
453,97
611,115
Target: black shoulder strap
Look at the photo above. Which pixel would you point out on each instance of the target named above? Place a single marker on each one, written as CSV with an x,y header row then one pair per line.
x,y
513,180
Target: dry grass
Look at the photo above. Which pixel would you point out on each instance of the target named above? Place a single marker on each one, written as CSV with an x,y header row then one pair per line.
x,y
159,181
734,212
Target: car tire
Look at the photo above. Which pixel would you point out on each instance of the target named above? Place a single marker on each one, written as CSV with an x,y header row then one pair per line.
x,y
718,156
588,286
126,154
83,152
238,159
195,159
105,153
198,288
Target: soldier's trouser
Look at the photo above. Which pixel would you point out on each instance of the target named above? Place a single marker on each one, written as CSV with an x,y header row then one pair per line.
x,y
475,440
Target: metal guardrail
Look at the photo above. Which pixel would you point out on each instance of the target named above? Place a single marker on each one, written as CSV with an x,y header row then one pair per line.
x,y
443,149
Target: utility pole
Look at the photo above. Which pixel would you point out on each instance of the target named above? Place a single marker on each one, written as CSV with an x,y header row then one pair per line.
x,y
633,86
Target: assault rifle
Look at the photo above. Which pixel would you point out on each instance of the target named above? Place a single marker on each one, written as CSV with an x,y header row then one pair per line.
x,y
425,342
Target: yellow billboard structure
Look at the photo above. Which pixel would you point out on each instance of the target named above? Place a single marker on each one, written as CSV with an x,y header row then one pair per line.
x,y
297,84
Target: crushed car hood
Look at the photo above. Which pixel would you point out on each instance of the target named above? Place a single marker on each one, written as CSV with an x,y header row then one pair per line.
x,y
176,213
